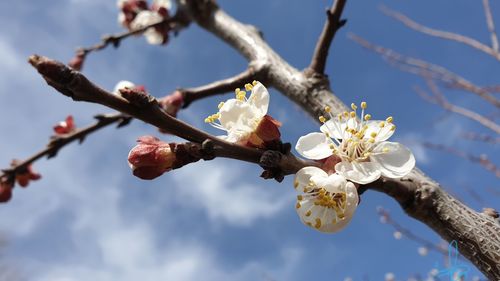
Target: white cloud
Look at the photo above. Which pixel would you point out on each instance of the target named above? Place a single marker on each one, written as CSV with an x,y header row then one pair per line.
x,y
227,195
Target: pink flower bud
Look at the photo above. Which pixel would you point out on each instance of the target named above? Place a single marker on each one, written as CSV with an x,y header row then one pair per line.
x,y
266,132
172,103
151,158
24,177
65,127
77,61
5,191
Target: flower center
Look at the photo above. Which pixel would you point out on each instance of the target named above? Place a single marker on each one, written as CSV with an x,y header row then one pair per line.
x,y
357,138
335,201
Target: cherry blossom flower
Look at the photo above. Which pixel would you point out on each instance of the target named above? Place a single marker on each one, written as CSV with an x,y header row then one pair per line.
x,y
129,10
65,127
326,202
245,119
361,146
150,158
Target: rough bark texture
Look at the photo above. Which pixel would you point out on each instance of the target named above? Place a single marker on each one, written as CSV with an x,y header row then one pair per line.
x,y
478,235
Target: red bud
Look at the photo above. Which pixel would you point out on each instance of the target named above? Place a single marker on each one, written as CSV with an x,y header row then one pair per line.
x,y
151,158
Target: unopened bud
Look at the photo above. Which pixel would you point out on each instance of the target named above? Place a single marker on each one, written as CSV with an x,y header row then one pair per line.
x,y
5,190
77,61
26,175
267,131
172,103
65,127
151,158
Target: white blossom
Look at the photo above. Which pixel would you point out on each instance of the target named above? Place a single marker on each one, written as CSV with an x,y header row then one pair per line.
x,y
361,146
122,85
145,18
241,116
326,202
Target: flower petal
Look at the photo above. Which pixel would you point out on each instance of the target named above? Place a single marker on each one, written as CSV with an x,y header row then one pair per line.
x,y
121,85
336,128
235,113
304,175
351,206
396,162
359,172
314,146
259,100
383,133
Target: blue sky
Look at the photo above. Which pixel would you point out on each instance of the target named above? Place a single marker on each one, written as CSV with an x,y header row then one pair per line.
x,y
90,219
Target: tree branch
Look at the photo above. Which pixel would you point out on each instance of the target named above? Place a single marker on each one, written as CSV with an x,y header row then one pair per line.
x,y
441,34
59,141
332,25
491,25
146,108
420,196
426,70
217,87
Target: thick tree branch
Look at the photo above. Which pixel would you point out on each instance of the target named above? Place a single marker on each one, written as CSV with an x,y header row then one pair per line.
x,y
420,196
332,25
427,70
442,34
146,108
217,87
59,141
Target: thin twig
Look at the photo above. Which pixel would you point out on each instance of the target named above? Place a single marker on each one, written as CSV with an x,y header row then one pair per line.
x,y
386,217
439,99
217,87
59,141
441,34
491,25
481,159
480,137
426,69
332,25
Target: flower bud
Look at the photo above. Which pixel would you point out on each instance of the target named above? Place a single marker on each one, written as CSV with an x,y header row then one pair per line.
x,y
5,191
24,177
65,127
172,103
266,132
151,158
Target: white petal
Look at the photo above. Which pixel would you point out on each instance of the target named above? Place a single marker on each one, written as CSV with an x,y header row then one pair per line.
x,y
359,172
153,37
314,146
144,18
235,113
304,175
336,128
259,99
382,133
397,162
167,4
122,85
351,206
333,183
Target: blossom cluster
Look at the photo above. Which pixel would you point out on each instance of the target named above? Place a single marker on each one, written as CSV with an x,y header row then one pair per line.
x,y
135,14
350,150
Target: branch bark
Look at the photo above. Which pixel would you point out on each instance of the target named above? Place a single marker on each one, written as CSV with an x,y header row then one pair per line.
x,y
421,197
332,25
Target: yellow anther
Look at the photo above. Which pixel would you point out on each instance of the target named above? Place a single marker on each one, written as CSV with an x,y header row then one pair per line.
x,y
393,128
382,124
353,106
389,119
373,134
308,213
322,119
346,114
255,82
318,223
207,120
332,146
299,197
352,114
339,116
327,134
363,105
328,109
371,140
237,90
295,184
367,154
221,104
385,150
248,86
297,206
368,117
